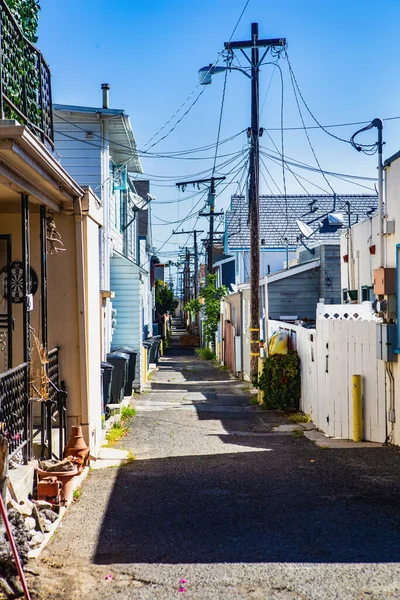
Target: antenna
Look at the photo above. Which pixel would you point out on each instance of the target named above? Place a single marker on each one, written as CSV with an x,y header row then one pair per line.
x,y
304,228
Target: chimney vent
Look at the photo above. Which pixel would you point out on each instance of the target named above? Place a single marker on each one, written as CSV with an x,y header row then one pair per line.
x,y
106,94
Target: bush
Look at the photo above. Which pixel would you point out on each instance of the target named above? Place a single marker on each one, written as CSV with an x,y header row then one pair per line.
x,y
205,353
280,381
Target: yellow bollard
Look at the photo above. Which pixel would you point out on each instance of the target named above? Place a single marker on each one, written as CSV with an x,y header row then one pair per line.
x,y
357,408
161,348
260,370
145,365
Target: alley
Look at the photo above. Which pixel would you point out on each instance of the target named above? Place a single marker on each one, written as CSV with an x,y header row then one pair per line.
x,y
217,505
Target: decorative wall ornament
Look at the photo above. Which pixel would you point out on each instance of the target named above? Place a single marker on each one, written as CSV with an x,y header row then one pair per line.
x,y
17,282
54,237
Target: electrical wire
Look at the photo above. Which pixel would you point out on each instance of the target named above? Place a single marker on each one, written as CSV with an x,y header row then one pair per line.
x,y
296,86
305,131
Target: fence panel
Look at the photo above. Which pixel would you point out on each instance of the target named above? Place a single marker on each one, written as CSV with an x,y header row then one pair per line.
x,y
342,344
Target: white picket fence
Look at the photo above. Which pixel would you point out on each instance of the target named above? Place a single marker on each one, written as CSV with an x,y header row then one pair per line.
x,y
342,344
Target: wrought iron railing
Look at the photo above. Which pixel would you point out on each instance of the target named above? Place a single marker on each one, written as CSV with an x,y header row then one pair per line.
x,y
25,83
14,410
54,410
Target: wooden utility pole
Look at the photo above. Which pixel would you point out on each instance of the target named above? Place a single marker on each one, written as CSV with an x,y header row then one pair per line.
x,y
211,202
196,257
254,43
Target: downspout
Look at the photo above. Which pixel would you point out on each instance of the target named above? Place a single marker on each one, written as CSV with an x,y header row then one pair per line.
x,y
241,334
82,312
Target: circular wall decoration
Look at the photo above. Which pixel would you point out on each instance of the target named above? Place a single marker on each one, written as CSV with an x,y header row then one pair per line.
x,y
17,281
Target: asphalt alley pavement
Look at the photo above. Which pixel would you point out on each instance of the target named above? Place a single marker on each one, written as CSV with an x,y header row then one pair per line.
x,y
220,505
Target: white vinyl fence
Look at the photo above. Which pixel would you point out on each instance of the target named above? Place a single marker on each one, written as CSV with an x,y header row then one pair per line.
x,y
342,344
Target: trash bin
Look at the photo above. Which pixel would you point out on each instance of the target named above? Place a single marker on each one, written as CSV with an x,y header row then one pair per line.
x,y
132,353
106,374
147,344
155,349
119,361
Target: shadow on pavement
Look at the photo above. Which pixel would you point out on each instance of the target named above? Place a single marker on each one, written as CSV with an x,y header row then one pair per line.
x,y
294,503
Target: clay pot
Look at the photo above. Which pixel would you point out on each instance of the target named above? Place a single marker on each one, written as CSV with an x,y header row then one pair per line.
x,y
77,446
67,481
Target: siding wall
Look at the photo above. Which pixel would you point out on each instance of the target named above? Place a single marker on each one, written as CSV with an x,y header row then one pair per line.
x,y
80,156
296,295
128,301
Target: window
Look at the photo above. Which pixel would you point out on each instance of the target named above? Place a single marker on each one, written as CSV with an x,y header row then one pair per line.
x,y
367,293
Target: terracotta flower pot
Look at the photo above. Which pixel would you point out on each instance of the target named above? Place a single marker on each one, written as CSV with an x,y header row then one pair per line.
x,y
65,477
77,446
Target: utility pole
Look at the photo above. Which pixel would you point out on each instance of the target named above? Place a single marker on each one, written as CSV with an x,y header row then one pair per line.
x,y
196,258
254,43
211,214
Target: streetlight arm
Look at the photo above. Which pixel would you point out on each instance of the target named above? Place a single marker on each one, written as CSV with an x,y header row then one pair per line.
x,y
205,73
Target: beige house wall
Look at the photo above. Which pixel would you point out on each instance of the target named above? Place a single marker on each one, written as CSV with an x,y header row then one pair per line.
x,y
93,329
361,267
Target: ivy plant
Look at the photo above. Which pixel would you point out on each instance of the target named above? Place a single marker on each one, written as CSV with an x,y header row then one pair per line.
x,y
26,13
280,381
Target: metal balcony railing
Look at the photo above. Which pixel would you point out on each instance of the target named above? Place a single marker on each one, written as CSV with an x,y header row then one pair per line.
x,y
25,82
14,410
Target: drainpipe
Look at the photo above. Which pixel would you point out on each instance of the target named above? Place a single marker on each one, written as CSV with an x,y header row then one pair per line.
x,y
241,333
105,197
378,123
82,312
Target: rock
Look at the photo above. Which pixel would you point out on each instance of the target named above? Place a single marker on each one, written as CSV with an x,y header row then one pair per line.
x,y
24,509
50,515
47,525
36,540
38,519
20,534
30,523
42,504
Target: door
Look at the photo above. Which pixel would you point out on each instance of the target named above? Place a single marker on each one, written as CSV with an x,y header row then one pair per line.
x,y
6,320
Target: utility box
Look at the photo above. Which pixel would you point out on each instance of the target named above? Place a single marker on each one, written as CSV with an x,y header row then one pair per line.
x,y
386,341
384,281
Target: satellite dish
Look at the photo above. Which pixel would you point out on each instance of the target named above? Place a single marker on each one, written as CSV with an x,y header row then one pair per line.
x,y
304,228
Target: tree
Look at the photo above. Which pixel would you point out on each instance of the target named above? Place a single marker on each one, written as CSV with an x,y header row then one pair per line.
x,y
212,296
165,302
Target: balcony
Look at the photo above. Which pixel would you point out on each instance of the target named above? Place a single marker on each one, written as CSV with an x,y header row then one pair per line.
x,y
25,82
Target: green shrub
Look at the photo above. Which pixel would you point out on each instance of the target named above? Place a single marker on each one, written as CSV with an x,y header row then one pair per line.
x,y
280,381
205,353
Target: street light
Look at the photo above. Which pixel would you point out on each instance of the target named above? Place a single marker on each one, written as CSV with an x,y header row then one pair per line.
x,y
205,75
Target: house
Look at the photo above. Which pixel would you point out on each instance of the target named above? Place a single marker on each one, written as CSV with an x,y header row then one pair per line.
x,y
97,146
371,274
279,229
295,292
48,336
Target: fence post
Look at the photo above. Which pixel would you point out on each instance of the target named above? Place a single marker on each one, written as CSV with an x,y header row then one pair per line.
x,y
357,408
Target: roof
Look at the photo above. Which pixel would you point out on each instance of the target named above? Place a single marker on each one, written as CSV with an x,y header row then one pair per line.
x,y
122,140
278,216
391,159
296,270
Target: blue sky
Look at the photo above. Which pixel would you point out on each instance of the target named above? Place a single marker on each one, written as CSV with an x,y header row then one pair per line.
x,y
344,55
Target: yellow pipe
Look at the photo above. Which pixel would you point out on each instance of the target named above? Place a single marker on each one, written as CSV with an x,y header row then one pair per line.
x,y
161,348
145,365
357,408
260,370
